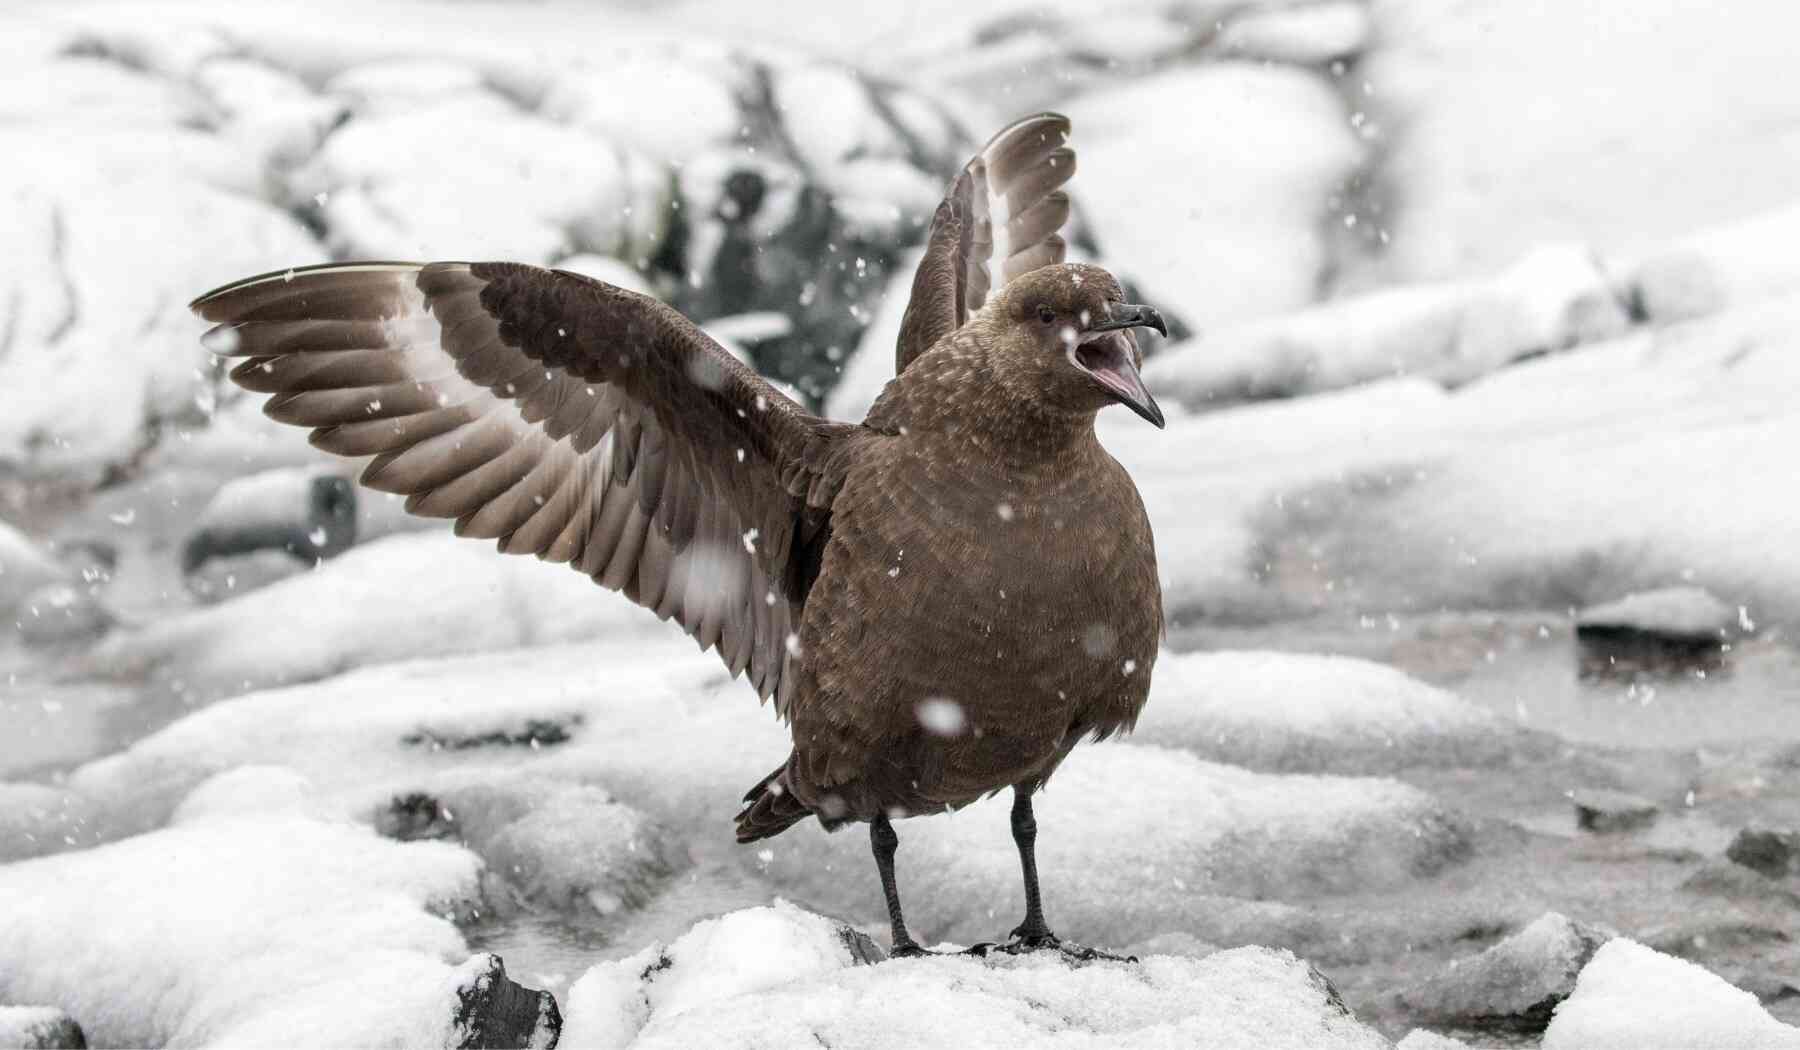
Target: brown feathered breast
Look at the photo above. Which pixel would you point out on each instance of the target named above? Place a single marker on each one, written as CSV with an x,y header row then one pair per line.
x,y
988,596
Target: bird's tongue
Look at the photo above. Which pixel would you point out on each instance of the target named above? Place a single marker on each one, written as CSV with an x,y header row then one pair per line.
x,y
1109,360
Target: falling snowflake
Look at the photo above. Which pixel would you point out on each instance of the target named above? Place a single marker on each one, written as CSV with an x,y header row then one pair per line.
x,y
941,716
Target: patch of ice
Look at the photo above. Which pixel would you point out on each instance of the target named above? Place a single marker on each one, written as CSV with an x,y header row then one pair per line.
x,y
1630,997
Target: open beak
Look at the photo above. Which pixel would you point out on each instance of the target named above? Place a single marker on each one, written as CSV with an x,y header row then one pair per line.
x,y
1112,360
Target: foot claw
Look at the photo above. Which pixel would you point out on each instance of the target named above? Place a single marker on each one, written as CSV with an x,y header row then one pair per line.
x,y
1043,940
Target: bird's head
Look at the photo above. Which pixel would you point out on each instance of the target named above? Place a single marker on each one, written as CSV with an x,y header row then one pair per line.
x,y
1066,330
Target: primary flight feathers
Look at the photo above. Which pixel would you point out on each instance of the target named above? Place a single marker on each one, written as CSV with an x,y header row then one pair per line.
x,y
486,393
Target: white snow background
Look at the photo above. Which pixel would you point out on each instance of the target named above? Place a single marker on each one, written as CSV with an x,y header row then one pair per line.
x,y
1487,312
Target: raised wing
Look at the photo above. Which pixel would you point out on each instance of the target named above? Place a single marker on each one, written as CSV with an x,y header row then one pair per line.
x,y
565,418
1002,217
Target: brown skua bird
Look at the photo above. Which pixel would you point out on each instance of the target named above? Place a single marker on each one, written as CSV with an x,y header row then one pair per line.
x,y
942,600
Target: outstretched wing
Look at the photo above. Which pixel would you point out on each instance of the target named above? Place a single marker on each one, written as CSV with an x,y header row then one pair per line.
x,y
565,418
1002,217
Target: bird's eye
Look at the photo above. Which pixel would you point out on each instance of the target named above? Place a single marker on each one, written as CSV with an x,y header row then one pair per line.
x,y
1046,315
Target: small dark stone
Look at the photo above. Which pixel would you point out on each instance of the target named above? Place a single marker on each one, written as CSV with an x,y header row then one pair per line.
x,y
415,816
1767,851
1608,811
536,733
494,1011
863,949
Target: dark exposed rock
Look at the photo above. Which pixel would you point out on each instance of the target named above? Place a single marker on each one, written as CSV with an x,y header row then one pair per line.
x,y
1601,810
1768,851
535,733
1513,986
415,816
1672,631
495,1011
39,1028
306,513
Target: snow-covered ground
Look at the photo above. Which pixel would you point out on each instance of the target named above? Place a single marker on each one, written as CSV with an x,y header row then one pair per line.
x,y
1487,314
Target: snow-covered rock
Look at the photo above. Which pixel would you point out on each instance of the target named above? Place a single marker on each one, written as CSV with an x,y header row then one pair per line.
x,y
1630,997
25,567
308,513
104,254
61,614
38,1028
1454,332
648,718
1146,841
535,190
1312,34
1484,154
1424,1039
1716,269
1512,986
780,976
401,597
1672,612
1287,712
241,930
1236,187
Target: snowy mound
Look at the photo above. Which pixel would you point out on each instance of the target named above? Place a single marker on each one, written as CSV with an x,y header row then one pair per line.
x,y
1634,998
782,977
1451,333
655,721
267,929
406,596
1146,841
1304,713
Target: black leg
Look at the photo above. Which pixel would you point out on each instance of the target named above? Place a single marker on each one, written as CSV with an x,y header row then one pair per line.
x,y
1033,932
884,842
